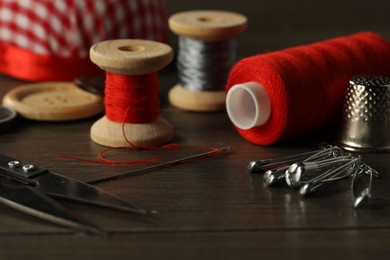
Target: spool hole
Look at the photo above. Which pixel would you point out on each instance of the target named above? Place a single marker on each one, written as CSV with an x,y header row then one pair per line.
x,y
207,19
248,105
132,48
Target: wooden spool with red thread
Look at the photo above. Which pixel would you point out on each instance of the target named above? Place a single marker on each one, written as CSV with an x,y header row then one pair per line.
x,y
131,98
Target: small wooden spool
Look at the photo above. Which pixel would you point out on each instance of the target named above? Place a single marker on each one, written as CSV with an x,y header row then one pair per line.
x,y
207,26
131,57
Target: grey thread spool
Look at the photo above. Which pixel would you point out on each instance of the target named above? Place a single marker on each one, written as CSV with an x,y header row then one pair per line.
x,y
206,53
204,66
366,115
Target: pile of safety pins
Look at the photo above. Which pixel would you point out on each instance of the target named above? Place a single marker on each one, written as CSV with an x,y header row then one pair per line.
x,y
313,170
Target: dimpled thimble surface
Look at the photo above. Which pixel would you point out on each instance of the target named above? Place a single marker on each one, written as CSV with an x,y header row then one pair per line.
x,y
365,123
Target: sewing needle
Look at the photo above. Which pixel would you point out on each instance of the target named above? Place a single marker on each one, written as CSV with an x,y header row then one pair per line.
x,y
162,165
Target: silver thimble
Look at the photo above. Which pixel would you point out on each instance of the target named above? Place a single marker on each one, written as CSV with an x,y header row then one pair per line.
x,y
365,125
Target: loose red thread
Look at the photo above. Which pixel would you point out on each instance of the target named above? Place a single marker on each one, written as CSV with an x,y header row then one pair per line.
x,y
306,84
171,148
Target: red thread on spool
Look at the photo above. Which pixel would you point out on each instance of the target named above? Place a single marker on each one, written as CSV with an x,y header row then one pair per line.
x,y
306,84
131,99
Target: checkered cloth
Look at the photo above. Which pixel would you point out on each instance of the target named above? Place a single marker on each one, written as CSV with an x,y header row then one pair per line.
x,y
65,29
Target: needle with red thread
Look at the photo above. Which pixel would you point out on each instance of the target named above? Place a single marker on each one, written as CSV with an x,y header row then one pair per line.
x,y
164,165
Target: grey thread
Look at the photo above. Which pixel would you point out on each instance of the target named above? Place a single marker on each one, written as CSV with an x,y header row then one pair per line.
x,y
204,66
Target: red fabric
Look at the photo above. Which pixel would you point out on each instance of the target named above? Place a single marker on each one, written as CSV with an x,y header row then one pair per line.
x,y
306,84
50,40
24,64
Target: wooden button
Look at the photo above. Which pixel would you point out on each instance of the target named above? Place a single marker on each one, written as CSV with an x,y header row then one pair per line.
x,y
53,101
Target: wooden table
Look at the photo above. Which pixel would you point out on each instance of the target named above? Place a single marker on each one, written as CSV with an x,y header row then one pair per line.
x,y
212,208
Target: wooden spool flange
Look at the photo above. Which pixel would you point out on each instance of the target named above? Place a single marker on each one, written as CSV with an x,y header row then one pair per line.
x,y
131,57
207,26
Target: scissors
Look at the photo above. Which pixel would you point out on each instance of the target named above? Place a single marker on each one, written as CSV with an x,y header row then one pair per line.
x,y
32,190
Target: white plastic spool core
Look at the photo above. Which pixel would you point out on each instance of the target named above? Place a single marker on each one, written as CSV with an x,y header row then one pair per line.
x,y
248,105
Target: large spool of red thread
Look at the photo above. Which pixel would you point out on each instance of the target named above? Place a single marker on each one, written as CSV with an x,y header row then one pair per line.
x,y
284,94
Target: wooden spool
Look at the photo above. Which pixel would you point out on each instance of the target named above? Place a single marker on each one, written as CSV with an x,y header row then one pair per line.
x,y
207,26
131,57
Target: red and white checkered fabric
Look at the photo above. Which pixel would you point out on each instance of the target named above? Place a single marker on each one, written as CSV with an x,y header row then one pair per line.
x,y
67,28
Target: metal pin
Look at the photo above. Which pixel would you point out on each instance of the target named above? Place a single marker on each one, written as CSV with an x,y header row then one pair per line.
x,y
266,164
298,172
311,165
274,176
331,175
314,170
277,174
365,195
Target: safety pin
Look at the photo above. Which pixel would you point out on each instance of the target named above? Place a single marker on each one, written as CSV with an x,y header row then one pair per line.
x,y
297,172
366,193
329,176
267,164
275,175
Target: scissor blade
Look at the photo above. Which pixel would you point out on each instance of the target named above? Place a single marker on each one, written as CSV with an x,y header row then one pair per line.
x,y
30,201
64,187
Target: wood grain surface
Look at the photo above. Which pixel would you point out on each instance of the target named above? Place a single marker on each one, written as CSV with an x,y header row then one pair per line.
x,y
214,208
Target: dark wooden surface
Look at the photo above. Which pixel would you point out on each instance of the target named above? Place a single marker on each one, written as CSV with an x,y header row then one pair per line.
x,y
210,209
